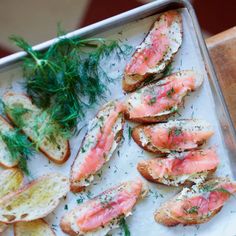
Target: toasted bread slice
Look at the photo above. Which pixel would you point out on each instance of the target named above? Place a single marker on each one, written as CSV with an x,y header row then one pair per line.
x,y
10,181
103,136
175,135
35,200
58,149
180,168
6,159
155,52
102,213
33,228
196,205
158,101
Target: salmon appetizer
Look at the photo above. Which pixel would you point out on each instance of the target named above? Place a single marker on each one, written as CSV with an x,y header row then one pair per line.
x,y
175,135
155,52
103,213
196,205
158,101
103,136
180,168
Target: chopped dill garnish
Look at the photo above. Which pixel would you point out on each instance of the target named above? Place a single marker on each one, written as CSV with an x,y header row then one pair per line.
x,y
79,200
168,70
68,78
19,147
170,92
192,210
130,133
152,101
178,131
124,226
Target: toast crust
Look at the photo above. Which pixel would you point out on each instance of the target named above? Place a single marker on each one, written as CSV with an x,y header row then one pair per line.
x,y
41,148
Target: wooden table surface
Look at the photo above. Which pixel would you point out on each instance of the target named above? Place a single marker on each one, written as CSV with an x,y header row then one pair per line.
x,y
222,48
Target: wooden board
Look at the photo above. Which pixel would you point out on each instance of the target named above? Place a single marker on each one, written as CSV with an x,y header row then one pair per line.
x,y
222,48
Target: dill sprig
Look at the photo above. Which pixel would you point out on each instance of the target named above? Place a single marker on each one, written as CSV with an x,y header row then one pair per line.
x,y
43,125
124,226
19,147
68,78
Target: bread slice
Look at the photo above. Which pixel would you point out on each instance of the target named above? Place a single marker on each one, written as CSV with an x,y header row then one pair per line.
x,y
182,209
35,200
96,138
142,136
6,159
11,180
58,149
96,217
158,101
165,37
33,228
180,168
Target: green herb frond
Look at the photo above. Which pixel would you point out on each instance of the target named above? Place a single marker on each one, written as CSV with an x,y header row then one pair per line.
x,y
19,147
124,226
68,78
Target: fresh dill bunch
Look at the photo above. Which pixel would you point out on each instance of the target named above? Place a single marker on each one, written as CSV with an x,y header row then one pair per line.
x,y
19,147
68,78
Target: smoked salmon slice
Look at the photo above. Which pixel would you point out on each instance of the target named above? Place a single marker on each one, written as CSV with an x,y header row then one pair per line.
x,y
158,101
102,213
155,52
180,168
103,136
175,135
198,204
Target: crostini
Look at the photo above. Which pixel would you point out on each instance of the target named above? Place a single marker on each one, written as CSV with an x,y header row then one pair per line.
x,y
33,228
10,181
101,214
175,135
103,136
35,200
34,122
180,168
155,52
158,101
196,205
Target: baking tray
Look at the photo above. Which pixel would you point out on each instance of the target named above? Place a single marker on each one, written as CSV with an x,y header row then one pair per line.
x,y
206,103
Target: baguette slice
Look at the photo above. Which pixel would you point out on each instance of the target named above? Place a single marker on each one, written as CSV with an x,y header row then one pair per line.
x,y
11,180
35,200
6,159
155,52
158,101
57,150
175,135
33,228
102,213
180,168
196,205
103,136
